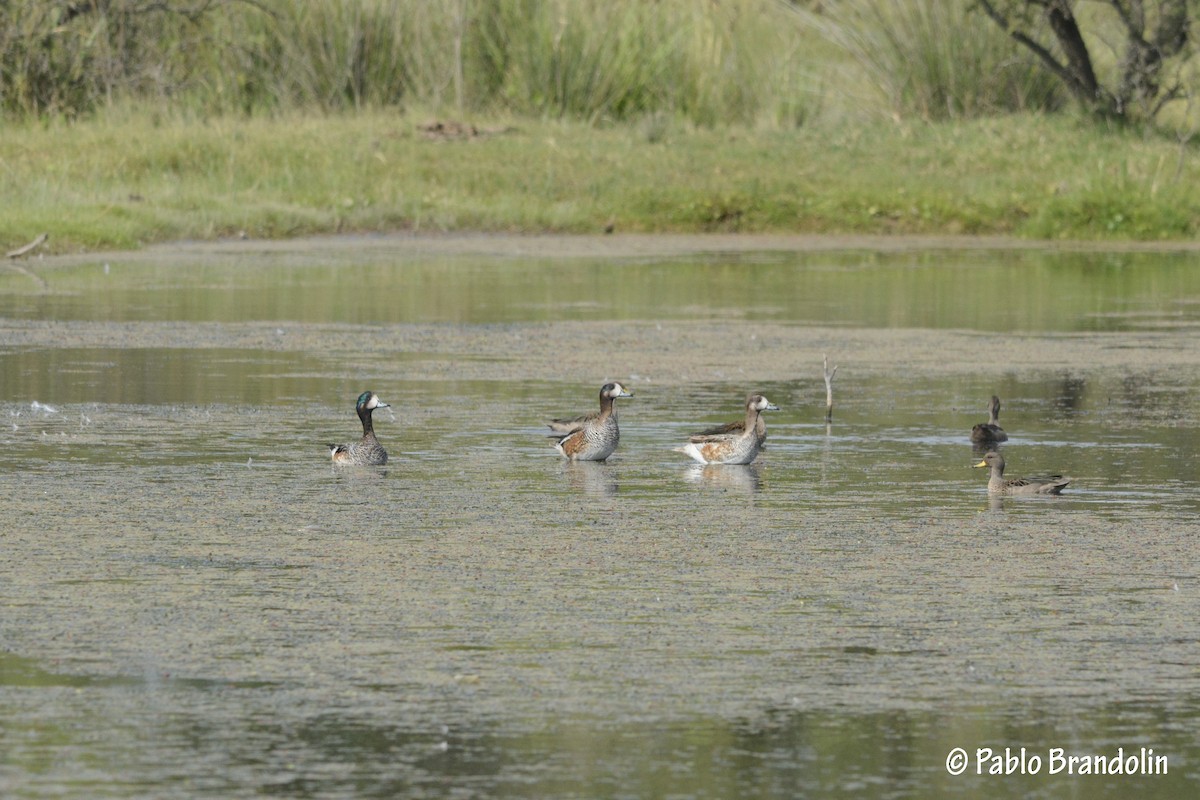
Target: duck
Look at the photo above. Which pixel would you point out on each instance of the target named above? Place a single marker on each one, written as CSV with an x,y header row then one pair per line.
x,y
367,451
1049,484
739,445
592,436
990,432
736,427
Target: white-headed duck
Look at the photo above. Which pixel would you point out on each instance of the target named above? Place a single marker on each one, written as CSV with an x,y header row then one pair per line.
x,y
593,436
740,444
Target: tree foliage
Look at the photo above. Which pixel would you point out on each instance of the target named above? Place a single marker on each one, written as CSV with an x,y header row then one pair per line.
x,y
65,56
1145,74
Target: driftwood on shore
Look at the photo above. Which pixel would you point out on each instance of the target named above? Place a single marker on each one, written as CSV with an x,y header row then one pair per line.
x,y
36,243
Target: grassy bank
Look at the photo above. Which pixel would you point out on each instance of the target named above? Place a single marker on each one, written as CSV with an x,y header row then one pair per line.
x,y
131,122
130,179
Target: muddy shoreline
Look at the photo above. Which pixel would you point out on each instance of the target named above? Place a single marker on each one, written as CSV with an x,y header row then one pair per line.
x,y
631,245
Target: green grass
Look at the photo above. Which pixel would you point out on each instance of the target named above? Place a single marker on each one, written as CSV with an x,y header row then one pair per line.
x,y
284,117
131,178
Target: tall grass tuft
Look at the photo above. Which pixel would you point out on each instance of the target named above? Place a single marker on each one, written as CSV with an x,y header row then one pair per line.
x,y
596,60
706,62
584,60
937,59
333,54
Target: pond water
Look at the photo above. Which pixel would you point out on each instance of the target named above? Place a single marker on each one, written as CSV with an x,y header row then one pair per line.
x,y
195,603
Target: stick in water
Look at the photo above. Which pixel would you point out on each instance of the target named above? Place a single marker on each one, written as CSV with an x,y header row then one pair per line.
x,y
829,389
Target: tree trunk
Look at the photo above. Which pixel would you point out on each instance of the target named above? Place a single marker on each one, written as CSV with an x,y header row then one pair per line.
x,y
1139,84
1079,63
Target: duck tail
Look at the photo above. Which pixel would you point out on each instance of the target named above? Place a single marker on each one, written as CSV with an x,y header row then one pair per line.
x,y
690,449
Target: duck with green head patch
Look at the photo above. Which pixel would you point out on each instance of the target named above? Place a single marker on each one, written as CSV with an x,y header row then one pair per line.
x,y
367,451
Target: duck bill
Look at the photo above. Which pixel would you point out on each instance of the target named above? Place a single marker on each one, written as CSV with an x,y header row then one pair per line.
x,y
771,407
980,464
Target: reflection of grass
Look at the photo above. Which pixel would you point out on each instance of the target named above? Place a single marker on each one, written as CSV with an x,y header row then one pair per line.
x,y
130,178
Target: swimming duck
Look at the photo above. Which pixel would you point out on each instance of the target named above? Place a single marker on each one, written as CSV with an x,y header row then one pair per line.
x,y
990,432
736,427
1050,484
593,436
367,450
738,446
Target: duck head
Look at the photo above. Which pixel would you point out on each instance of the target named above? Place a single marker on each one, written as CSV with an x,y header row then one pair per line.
x,y
760,403
991,459
611,391
369,401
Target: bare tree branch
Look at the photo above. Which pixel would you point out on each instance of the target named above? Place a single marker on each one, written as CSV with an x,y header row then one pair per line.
x,y
1141,57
